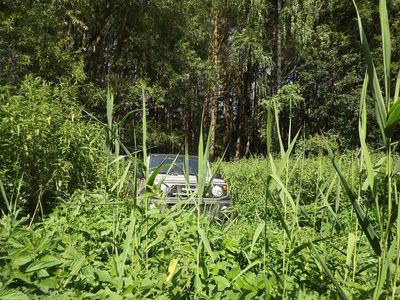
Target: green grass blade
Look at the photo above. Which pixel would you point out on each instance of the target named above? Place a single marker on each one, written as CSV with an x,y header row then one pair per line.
x,y
154,173
144,130
281,147
3,193
123,177
186,166
279,214
362,217
394,113
278,170
299,248
362,131
321,261
386,47
203,152
397,89
269,130
386,263
374,82
283,163
256,235
284,190
110,106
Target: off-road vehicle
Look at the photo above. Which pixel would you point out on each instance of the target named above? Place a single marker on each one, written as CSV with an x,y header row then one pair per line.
x,y
177,183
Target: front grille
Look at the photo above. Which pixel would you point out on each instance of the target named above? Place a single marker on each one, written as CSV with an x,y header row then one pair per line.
x,y
181,191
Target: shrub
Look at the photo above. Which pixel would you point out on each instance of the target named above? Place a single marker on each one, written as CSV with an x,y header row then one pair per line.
x,y
47,142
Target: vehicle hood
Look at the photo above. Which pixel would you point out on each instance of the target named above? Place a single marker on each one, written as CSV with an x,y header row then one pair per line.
x,y
180,179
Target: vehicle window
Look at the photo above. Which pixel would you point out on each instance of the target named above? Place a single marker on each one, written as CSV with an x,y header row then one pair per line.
x,y
176,168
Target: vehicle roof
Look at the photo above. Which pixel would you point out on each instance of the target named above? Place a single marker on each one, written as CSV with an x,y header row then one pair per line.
x,y
171,155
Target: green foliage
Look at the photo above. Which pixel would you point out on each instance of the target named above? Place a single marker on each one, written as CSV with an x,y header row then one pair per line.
x,y
46,141
247,178
316,145
135,259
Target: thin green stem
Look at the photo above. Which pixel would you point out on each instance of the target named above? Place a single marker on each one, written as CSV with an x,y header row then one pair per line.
x,y
396,271
389,191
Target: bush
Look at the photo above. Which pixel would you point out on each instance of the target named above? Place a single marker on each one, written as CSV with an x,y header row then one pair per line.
x,y
47,142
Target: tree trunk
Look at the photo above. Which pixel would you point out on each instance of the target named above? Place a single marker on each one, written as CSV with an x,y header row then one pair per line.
x,y
215,53
228,121
239,116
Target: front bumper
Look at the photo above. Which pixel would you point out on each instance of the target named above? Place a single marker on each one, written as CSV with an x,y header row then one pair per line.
x,y
210,206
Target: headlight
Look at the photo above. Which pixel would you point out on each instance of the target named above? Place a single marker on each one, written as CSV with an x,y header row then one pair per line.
x,y
217,191
164,187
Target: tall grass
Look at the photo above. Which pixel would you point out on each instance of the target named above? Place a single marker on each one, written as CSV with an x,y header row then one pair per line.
x,y
386,241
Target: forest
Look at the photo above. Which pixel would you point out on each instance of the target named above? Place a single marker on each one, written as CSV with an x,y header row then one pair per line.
x,y
226,58
294,102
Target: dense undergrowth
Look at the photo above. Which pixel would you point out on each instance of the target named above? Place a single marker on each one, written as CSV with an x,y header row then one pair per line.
x,y
99,245
100,241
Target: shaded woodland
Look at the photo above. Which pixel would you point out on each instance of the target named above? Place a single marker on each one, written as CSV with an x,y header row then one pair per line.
x,y
223,59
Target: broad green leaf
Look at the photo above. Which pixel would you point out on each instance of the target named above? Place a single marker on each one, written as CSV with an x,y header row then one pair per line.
x,y
351,244
256,235
283,163
152,177
77,265
222,283
44,262
396,169
245,270
21,260
171,269
154,242
206,243
278,130
103,276
393,119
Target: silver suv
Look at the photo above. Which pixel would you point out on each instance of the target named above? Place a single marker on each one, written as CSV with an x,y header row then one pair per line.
x,y
174,185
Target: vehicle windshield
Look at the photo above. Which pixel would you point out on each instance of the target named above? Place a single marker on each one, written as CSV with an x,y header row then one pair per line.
x,y
173,165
